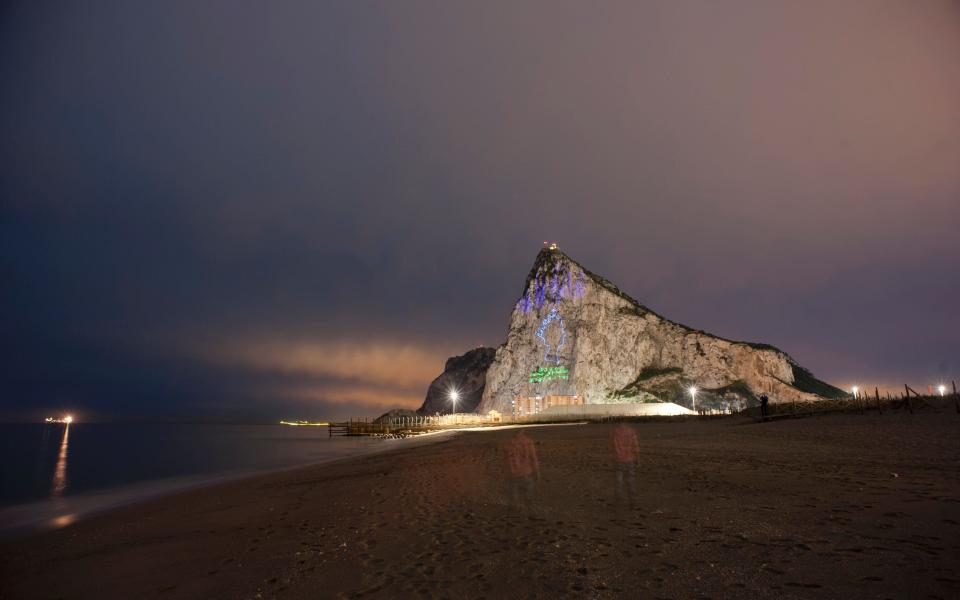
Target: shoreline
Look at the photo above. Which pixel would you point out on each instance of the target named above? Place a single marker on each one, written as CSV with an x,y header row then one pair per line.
x,y
23,520
843,506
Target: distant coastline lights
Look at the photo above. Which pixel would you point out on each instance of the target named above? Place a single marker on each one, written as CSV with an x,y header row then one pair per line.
x,y
858,394
65,420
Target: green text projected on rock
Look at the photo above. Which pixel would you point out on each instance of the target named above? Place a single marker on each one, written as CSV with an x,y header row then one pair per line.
x,y
549,374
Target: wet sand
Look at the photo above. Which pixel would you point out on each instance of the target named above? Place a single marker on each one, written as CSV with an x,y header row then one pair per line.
x,y
844,506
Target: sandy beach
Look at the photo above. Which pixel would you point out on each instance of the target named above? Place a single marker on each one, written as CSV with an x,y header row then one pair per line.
x,y
846,506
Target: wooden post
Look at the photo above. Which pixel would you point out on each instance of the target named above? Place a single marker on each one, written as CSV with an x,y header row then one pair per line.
x,y
956,399
907,397
877,392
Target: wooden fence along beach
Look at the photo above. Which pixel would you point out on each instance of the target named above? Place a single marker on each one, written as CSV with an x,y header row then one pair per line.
x,y
398,427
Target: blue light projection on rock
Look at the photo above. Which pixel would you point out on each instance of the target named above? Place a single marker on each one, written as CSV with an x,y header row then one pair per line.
x,y
541,293
525,304
551,286
553,315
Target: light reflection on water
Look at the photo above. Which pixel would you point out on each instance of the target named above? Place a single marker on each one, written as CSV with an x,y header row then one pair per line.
x,y
63,520
60,472
45,481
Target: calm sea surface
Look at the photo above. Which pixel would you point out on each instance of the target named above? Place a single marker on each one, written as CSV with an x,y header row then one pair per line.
x,y
53,473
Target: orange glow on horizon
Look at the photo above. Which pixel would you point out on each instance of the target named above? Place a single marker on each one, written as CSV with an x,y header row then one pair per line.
x,y
388,363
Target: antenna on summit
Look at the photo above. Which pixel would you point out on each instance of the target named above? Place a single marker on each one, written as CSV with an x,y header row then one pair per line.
x,y
552,245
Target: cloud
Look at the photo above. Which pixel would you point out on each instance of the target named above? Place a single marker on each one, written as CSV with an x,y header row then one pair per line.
x,y
366,186
375,362
356,395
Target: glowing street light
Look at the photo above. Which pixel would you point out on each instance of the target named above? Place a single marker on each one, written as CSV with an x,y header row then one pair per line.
x,y
454,396
69,419
693,396
855,390
942,389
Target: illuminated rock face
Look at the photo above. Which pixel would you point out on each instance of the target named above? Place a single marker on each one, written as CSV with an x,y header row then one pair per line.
x,y
467,375
575,333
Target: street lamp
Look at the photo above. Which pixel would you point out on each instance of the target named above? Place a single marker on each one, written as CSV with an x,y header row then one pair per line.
x,y
942,389
454,396
693,396
855,390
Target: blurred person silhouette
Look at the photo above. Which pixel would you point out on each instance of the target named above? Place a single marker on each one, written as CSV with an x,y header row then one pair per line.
x,y
626,455
764,401
523,468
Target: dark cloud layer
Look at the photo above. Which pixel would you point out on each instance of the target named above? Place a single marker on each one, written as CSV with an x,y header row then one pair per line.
x,y
233,209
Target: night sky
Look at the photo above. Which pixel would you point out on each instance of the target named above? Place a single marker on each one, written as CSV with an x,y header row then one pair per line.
x,y
248,210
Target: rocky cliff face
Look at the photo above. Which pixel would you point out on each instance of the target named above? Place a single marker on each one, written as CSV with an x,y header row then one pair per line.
x,y
574,333
467,375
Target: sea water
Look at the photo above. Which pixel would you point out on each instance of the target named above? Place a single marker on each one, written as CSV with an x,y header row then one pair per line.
x,y
51,474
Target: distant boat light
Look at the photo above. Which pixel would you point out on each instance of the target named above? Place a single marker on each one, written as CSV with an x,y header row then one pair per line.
x,y
67,419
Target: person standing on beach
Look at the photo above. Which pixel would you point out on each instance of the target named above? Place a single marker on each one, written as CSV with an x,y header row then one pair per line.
x,y
626,455
523,467
764,400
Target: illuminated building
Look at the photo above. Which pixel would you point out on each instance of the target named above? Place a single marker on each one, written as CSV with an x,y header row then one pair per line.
x,y
527,406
